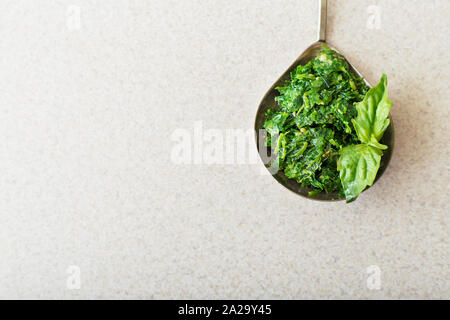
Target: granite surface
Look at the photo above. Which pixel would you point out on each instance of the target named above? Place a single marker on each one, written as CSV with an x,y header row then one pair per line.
x,y
95,202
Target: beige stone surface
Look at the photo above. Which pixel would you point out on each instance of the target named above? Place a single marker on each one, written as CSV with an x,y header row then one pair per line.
x,y
91,93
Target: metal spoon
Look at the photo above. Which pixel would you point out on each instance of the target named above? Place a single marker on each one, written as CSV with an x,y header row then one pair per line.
x,y
268,102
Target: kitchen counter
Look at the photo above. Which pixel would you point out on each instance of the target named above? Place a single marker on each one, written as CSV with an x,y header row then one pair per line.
x,y
111,188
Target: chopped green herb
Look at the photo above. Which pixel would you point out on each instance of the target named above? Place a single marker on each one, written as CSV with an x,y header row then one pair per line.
x,y
314,192
324,112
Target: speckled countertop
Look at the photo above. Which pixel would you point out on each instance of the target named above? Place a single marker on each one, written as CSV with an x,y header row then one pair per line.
x,y
95,204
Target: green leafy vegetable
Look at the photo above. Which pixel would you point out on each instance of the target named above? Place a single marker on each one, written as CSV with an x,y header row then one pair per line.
x,y
358,166
326,131
373,112
314,121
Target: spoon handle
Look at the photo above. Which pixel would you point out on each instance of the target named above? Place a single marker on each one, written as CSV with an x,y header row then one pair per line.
x,y
322,20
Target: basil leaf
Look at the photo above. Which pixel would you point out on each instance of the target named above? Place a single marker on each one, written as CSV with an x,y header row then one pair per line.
x,y
358,166
373,112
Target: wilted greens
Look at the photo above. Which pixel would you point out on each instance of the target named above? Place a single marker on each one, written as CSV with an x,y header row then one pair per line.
x,y
326,131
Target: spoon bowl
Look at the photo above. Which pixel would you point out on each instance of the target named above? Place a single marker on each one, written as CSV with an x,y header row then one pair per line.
x,y
268,102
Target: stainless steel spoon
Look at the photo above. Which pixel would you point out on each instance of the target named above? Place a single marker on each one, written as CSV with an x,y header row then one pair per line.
x,y
268,102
